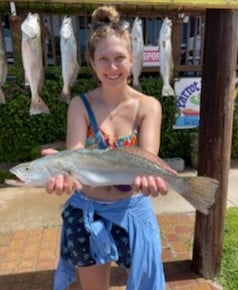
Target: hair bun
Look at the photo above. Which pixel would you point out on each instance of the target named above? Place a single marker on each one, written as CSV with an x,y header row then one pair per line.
x,y
105,14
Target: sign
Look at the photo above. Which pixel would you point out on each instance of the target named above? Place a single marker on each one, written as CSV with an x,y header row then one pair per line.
x,y
187,91
151,56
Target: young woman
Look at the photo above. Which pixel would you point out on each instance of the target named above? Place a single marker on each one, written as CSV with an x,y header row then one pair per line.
x,y
115,223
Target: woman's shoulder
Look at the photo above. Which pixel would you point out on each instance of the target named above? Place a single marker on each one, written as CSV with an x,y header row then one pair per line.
x,y
77,99
149,103
76,103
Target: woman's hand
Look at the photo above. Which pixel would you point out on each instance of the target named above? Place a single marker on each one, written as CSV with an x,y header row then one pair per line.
x,y
61,183
152,185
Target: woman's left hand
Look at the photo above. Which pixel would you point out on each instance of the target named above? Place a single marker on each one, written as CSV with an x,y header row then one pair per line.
x,y
150,185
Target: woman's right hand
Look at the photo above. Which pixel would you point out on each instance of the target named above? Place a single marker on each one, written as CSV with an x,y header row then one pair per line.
x,y
61,183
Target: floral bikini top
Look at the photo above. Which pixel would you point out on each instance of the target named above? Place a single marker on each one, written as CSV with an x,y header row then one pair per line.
x,y
128,140
97,138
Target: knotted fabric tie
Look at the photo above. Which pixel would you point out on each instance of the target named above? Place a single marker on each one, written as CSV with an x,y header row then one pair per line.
x,y
102,245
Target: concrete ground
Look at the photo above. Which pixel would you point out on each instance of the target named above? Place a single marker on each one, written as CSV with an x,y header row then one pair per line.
x,y
30,233
24,208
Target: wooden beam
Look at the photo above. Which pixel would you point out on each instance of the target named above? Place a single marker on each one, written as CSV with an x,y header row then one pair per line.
x,y
215,133
180,4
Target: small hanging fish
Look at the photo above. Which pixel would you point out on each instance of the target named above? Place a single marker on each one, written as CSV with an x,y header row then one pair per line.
x,y
70,66
166,58
3,69
33,61
138,51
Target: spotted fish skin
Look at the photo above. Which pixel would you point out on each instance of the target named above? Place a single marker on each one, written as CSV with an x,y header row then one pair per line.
x,y
32,57
166,57
138,51
70,66
100,167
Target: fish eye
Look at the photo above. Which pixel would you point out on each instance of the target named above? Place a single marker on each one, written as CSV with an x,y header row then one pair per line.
x,y
27,168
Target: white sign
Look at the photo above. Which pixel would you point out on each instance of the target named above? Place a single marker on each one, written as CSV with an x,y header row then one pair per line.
x,y
188,91
151,56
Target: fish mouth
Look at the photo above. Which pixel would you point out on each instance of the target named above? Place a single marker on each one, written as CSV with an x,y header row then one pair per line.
x,y
18,179
15,182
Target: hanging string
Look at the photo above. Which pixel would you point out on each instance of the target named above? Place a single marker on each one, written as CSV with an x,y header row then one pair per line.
x,y
13,9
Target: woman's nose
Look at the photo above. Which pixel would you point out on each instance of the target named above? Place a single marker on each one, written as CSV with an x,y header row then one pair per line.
x,y
112,64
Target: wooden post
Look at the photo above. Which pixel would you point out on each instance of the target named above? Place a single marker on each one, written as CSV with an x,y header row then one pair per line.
x,y
177,40
215,133
15,26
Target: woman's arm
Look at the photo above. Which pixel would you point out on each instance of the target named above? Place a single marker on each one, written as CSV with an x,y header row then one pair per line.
x,y
150,125
76,137
149,139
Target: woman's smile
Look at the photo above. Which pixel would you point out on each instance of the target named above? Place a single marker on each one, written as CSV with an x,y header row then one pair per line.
x,y
113,77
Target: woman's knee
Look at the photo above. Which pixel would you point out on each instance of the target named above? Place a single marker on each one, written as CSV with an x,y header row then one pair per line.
x,y
100,274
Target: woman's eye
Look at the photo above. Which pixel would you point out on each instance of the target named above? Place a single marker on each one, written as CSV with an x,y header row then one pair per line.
x,y
103,59
120,58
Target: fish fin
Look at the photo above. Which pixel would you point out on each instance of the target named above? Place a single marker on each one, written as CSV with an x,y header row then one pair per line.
x,y
41,80
2,97
65,96
75,74
201,192
167,90
38,107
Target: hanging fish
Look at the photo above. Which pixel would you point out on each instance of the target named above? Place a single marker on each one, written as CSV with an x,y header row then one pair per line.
x,y
70,66
166,58
33,61
3,69
138,51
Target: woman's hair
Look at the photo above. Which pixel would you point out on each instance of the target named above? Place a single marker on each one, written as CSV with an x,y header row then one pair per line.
x,y
106,21
105,14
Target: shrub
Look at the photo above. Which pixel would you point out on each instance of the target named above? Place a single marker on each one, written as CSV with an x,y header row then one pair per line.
x,y
21,135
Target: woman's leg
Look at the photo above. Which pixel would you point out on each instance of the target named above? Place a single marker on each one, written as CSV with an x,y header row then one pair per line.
x,y
96,277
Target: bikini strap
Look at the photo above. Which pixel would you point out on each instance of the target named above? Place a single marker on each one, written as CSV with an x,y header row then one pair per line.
x,y
100,142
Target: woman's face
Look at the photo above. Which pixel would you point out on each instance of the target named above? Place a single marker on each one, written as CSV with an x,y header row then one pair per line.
x,y
112,60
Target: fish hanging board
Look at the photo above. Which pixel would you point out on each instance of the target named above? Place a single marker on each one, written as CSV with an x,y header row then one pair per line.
x,y
185,4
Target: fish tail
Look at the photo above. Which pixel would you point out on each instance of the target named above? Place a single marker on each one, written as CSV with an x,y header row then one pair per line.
x,y
65,97
167,90
201,192
39,107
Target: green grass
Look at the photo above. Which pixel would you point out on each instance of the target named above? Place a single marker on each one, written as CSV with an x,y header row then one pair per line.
x,y
228,277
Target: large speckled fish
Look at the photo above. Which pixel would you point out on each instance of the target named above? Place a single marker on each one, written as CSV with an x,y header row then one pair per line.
x,y
33,61
138,51
97,167
166,57
3,69
70,66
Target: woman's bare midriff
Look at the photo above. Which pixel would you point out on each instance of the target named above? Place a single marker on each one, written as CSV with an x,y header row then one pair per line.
x,y
106,193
